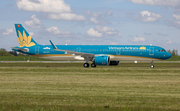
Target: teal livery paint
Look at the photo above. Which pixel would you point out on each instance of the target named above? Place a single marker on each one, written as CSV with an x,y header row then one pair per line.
x,y
98,54
125,50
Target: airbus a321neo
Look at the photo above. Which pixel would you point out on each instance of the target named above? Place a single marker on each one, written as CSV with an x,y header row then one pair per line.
x,y
99,54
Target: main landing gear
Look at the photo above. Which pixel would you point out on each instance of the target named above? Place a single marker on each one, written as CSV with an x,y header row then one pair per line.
x,y
152,66
86,65
93,65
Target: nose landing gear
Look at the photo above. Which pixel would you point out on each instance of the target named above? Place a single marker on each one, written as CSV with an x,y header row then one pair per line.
x,y
152,65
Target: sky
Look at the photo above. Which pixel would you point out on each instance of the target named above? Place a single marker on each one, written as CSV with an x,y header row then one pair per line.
x,y
92,22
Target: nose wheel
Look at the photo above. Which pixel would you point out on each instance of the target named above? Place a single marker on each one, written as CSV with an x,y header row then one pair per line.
x,y
152,66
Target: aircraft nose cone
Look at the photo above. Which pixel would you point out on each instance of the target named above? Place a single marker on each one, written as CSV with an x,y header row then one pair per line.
x,y
168,55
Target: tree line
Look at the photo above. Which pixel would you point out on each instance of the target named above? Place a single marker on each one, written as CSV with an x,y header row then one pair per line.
x,y
3,52
173,52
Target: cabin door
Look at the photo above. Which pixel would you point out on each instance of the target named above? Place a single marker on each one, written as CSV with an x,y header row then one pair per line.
x,y
118,51
78,49
151,51
37,50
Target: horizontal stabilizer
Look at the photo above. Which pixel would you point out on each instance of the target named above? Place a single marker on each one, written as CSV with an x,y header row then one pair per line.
x,y
19,49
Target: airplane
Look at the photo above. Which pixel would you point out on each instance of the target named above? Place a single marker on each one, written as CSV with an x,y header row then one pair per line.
x,y
106,55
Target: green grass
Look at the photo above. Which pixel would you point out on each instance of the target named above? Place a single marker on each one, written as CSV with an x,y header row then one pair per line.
x,y
174,58
69,86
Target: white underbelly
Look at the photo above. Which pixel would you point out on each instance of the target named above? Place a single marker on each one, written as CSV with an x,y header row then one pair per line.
x,y
132,58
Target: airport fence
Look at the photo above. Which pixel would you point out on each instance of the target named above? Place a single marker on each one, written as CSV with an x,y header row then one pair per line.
x,y
21,58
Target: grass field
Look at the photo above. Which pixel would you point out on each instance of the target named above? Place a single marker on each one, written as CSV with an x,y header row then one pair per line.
x,y
70,86
174,58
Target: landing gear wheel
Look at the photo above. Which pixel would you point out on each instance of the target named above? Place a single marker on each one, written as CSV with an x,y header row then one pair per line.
x,y
93,65
86,65
152,66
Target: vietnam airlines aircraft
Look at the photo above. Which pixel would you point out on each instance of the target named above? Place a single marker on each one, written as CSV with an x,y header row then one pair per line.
x,y
99,54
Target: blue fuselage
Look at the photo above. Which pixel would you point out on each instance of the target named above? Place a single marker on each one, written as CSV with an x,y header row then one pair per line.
x,y
116,52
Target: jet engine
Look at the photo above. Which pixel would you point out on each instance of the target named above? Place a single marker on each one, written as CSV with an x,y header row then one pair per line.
x,y
102,60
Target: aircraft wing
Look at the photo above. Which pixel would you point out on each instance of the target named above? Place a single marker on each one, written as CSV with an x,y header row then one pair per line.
x,y
85,55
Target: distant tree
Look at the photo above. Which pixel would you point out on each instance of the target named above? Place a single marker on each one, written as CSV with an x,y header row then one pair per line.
x,y
21,54
13,53
173,52
3,52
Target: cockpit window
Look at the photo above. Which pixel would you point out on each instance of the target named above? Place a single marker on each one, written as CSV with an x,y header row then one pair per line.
x,y
162,50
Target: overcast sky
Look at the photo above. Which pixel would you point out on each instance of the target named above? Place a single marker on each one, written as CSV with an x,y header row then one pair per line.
x,y
104,22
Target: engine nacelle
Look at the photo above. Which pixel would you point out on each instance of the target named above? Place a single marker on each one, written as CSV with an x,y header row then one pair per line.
x,y
114,63
102,60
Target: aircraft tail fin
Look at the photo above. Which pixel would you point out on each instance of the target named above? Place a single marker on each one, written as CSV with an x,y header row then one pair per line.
x,y
24,39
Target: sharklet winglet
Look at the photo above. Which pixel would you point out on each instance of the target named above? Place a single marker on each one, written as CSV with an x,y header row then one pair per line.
x,y
53,45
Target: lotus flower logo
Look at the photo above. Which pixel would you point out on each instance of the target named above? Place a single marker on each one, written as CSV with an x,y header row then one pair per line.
x,y
142,48
24,40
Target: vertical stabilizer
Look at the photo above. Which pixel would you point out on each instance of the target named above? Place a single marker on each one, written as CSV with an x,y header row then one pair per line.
x,y
24,39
